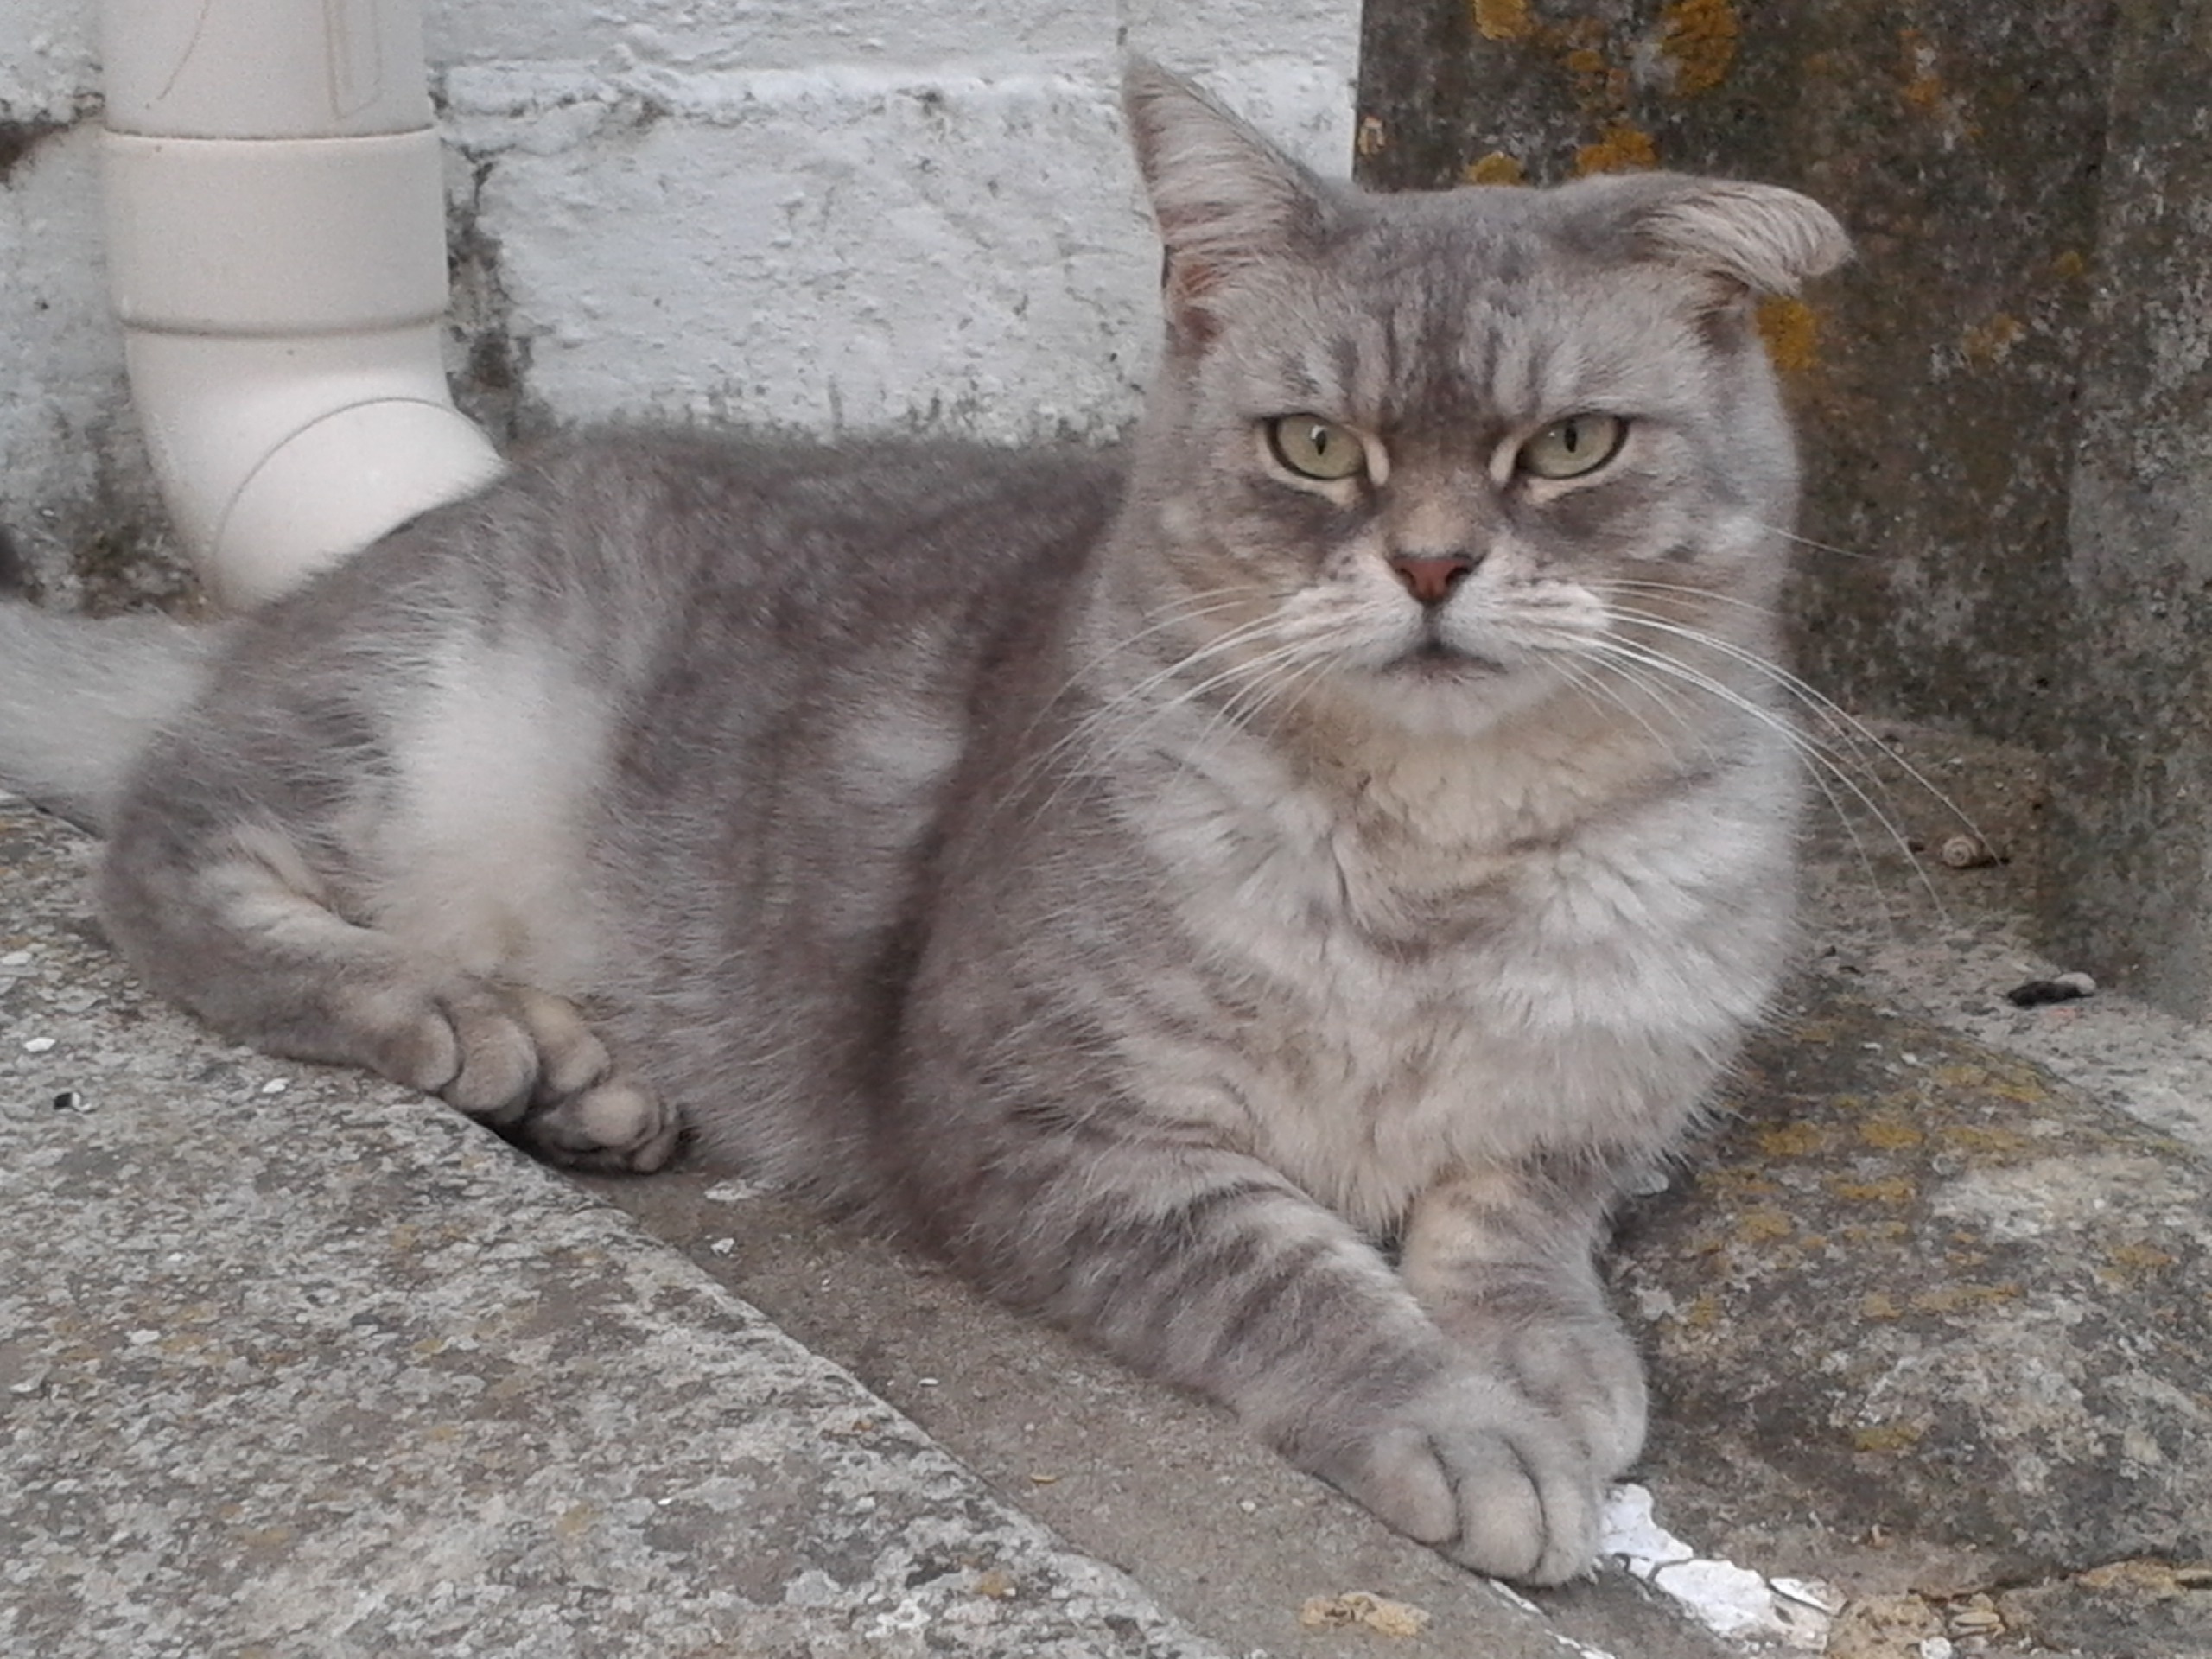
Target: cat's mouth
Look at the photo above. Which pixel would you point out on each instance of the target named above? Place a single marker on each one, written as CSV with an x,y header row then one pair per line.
x,y
1434,658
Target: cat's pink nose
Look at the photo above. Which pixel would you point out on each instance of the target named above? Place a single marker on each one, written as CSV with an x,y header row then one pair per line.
x,y
1431,578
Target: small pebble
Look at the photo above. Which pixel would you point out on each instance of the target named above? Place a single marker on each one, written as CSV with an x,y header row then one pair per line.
x,y
723,1246
69,1101
37,1045
275,1086
2039,993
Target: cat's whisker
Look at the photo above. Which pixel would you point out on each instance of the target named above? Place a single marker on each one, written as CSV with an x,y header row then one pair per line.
x,y
1591,680
1270,689
1702,596
1106,712
1789,535
1817,753
1090,760
1818,772
1195,607
1846,726
1838,727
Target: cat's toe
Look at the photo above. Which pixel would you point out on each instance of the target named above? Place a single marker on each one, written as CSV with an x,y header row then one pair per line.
x,y
498,1057
1472,1470
1576,1367
569,1058
614,1125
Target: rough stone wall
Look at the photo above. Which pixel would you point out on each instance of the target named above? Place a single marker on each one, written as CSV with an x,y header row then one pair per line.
x,y
833,217
2133,760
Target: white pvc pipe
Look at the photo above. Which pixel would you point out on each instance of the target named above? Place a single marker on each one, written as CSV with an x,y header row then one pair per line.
x,y
276,223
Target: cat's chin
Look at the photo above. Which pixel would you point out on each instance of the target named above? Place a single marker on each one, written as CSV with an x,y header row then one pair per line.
x,y
1435,689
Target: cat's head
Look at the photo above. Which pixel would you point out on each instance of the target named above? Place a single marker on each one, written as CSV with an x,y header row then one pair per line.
x,y
1451,451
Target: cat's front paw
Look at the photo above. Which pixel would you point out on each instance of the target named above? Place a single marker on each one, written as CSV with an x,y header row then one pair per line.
x,y
1471,1467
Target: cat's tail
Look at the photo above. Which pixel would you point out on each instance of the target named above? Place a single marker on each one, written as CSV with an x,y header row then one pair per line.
x,y
80,699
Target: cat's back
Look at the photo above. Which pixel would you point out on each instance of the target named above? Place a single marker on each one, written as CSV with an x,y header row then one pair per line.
x,y
804,601
652,530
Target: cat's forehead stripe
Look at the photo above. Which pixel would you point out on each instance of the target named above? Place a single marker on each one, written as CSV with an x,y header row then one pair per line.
x,y
1476,318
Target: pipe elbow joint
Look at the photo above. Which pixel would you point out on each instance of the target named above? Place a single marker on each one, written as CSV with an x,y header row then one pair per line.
x,y
282,301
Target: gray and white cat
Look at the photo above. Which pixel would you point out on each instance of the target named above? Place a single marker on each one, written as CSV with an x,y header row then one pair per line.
x,y
1355,817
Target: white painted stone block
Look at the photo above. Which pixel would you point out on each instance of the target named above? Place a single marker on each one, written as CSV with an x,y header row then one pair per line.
x,y
853,214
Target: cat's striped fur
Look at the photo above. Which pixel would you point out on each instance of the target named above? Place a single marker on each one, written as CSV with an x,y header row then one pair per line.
x,y
1156,886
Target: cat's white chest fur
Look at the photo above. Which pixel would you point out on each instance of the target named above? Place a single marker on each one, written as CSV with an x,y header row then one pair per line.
x,y
1463,961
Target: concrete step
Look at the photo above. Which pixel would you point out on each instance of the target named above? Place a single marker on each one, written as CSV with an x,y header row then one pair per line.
x,y
296,1361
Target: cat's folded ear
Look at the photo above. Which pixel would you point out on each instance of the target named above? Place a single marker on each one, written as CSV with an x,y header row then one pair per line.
x,y
1226,200
1759,236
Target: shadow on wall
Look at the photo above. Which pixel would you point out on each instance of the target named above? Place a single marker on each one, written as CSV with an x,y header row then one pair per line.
x,y
2003,403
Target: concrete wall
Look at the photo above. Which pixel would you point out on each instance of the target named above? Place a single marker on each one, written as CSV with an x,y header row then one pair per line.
x,y
2007,402
842,215
2132,760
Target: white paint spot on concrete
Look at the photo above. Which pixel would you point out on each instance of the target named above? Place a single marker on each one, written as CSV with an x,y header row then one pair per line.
x,y
1728,1599
1732,1601
1628,1530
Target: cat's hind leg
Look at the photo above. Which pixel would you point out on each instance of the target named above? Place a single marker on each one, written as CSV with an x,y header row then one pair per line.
x,y
234,919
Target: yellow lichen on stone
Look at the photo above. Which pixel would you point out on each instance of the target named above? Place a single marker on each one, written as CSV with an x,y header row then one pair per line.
x,y
1874,1232
1894,1189
2143,1258
1699,37
1883,1627
1763,1226
1502,20
1497,167
2156,1577
1620,148
1741,1182
1792,334
1981,1138
2020,1085
1923,88
1366,1609
1953,1298
1890,1133
1991,342
1887,1437
1791,1141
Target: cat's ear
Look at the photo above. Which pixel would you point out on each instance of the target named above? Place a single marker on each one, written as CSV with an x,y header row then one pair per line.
x,y
1226,200
1759,236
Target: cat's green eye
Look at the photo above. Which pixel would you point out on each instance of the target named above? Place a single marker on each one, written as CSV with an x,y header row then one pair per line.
x,y
1313,448
1568,449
